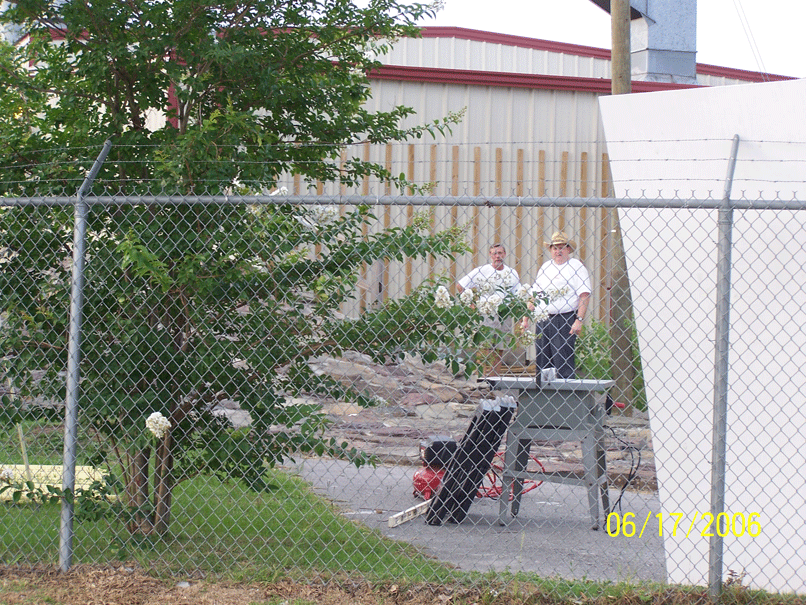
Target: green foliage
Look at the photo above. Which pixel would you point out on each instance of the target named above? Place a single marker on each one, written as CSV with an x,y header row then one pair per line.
x,y
594,358
187,304
593,349
250,91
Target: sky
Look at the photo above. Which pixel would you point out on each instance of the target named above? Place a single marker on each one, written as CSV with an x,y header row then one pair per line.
x,y
728,31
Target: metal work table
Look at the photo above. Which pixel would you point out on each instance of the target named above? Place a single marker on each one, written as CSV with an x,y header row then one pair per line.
x,y
564,409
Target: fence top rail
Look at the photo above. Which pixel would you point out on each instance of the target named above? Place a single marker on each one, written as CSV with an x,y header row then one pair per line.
x,y
425,201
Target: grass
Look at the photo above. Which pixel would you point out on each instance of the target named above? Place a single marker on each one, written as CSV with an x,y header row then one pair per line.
x,y
229,531
222,531
220,527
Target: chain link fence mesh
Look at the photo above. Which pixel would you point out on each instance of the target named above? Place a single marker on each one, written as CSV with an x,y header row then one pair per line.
x,y
270,383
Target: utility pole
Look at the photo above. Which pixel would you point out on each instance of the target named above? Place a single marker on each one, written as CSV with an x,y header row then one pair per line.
x,y
620,299
620,69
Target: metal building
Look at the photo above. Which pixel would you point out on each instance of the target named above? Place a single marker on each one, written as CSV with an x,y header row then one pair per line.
x,y
530,127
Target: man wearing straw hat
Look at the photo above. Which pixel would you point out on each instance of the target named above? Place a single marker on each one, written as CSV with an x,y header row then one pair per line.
x,y
556,335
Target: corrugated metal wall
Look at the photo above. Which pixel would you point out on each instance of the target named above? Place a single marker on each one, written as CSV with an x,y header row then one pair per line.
x,y
512,141
495,56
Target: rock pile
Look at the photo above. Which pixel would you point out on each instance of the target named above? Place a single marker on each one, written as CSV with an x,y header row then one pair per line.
x,y
417,401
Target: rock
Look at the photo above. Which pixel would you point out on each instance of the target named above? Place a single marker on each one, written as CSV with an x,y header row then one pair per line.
x,y
420,398
440,411
341,408
445,392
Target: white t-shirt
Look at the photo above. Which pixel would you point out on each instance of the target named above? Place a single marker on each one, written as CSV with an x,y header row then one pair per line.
x,y
489,278
571,274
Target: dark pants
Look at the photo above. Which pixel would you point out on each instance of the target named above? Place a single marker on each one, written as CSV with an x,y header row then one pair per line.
x,y
555,344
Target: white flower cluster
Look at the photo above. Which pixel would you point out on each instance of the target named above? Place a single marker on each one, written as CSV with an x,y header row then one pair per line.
x,y
541,311
324,215
525,338
442,298
158,425
486,285
488,306
467,297
501,282
489,296
523,292
6,475
318,216
280,191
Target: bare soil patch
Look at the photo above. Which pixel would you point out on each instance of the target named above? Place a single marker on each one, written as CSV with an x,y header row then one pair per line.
x,y
123,585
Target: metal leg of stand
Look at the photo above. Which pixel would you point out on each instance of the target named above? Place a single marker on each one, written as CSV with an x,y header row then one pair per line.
x,y
590,464
507,483
516,459
601,471
521,462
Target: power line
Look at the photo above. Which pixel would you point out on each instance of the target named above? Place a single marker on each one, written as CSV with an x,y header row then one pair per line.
x,y
750,38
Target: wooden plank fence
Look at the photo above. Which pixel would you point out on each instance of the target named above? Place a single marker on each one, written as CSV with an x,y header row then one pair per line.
x,y
477,171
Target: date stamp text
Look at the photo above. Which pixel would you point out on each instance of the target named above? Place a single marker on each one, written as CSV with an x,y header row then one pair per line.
x,y
704,525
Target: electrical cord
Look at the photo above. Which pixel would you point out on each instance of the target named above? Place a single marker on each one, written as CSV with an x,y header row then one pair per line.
x,y
634,465
496,486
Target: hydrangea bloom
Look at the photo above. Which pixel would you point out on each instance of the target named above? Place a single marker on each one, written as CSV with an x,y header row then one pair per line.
x,y
467,297
541,311
6,475
158,425
318,216
523,292
542,300
506,280
525,338
442,298
485,285
324,215
489,305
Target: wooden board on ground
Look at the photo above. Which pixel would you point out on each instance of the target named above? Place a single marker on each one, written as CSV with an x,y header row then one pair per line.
x,y
47,474
409,514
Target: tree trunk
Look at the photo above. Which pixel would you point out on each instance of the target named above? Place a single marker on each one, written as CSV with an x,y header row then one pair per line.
x,y
137,492
163,487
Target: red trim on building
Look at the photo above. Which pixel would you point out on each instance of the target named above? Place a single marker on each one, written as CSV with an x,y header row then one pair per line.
x,y
519,41
460,77
739,74
583,51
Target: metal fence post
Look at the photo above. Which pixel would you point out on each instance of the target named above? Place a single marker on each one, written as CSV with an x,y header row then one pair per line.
x,y
722,346
73,361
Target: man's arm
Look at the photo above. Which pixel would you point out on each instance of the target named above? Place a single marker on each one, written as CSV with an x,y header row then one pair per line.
x,y
582,309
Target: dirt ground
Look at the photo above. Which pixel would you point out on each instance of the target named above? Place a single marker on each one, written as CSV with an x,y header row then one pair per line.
x,y
90,585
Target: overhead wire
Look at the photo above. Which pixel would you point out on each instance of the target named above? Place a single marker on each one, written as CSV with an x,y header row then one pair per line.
x,y
750,38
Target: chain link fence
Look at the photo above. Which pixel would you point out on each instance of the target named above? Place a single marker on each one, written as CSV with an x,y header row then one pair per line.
x,y
228,361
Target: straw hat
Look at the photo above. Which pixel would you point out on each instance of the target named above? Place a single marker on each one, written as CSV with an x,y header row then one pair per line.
x,y
559,238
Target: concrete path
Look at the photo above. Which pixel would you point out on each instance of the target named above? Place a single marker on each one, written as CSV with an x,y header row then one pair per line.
x,y
551,535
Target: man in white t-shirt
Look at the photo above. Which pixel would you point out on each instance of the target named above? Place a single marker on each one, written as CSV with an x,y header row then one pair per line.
x,y
494,279
556,336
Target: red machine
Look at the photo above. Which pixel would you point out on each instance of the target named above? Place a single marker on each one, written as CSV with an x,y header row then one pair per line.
x,y
436,453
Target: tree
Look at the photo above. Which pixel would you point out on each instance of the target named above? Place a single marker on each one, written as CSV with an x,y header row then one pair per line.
x,y
251,89
192,302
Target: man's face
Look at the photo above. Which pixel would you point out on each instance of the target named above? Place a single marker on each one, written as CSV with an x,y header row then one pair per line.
x,y
497,255
560,253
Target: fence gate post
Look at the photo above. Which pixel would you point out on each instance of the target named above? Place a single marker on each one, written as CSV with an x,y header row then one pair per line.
x,y
73,360
721,348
